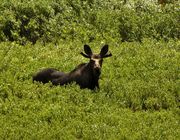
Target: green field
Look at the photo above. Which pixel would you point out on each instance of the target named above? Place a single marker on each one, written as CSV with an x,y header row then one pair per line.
x,y
139,96
138,99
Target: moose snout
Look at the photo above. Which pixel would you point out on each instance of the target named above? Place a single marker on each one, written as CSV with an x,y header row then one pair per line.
x,y
97,70
97,67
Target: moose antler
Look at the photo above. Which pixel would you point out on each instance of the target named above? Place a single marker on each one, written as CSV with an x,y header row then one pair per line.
x,y
85,55
107,55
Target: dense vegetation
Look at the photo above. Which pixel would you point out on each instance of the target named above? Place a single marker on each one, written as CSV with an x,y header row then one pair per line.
x,y
139,96
87,20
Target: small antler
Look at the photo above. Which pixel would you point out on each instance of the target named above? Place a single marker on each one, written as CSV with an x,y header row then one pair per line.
x,y
85,55
107,55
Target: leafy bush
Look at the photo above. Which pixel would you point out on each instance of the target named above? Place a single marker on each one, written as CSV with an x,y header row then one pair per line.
x,y
138,99
86,20
139,87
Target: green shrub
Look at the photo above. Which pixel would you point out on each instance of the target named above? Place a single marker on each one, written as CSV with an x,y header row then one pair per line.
x,y
138,99
49,21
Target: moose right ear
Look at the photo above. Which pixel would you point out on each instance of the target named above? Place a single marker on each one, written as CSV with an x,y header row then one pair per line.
x,y
87,50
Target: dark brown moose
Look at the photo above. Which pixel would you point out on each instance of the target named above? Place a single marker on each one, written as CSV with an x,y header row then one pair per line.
x,y
86,75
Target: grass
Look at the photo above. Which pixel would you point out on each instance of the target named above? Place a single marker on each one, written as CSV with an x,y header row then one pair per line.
x,y
138,99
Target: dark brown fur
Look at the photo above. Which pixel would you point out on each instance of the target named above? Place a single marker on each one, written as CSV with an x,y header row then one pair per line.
x,y
86,75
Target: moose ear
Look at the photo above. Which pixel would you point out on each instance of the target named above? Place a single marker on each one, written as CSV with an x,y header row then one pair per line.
x,y
87,50
104,52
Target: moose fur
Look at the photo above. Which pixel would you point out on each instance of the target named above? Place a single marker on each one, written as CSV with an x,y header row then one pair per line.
x,y
86,75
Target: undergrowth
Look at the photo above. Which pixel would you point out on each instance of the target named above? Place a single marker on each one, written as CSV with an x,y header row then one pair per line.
x,y
138,98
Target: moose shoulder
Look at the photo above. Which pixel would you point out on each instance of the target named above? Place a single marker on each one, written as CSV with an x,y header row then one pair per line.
x,y
86,75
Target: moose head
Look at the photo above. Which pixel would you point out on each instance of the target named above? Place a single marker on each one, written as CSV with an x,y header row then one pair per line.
x,y
96,60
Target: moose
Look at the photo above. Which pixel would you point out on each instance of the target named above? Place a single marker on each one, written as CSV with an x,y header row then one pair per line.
x,y
86,75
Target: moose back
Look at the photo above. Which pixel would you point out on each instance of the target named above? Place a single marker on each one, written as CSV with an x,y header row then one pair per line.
x,y
86,75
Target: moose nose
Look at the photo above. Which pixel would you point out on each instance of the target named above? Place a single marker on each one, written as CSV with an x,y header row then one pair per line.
x,y
97,70
97,66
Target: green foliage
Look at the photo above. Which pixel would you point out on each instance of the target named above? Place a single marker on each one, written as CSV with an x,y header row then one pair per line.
x,y
87,20
139,95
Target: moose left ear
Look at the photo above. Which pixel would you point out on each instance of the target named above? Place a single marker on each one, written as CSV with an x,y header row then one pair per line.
x,y
104,50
